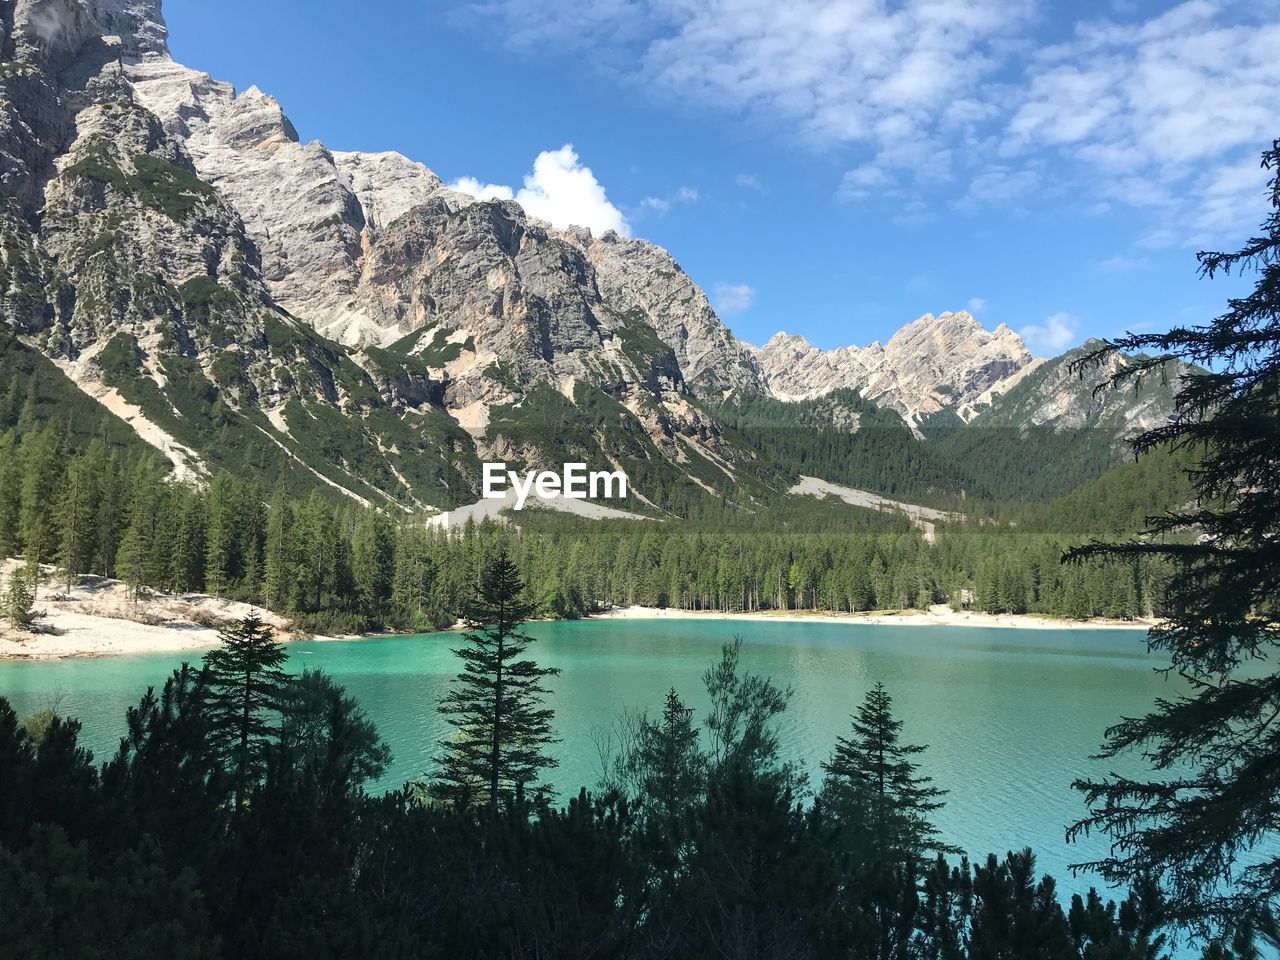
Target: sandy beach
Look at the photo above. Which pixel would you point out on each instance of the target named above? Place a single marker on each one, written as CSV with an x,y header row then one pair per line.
x,y
97,618
939,615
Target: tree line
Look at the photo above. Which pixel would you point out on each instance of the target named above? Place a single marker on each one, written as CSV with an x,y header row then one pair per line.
x,y
339,566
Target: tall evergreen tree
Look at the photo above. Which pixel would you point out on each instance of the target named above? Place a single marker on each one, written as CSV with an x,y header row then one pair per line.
x,y
75,512
1213,798
220,534
495,704
662,766
279,552
875,788
245,685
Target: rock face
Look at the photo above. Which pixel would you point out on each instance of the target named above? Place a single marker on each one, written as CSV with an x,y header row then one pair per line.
x,y
348,241
932,364
1050,394
637,275
165,234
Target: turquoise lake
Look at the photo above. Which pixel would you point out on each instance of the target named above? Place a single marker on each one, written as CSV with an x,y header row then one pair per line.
x,y
1011,717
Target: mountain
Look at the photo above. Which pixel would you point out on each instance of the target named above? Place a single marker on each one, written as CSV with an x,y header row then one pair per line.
x,y
1049,428
246,300
932,364
343,321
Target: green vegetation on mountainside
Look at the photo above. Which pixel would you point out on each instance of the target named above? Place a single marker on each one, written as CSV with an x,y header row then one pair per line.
x,y
817,438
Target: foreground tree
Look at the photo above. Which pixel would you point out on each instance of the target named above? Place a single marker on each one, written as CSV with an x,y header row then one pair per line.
x,y
1213,799
742,731
496,702
875,789
328,733
246,686
661,764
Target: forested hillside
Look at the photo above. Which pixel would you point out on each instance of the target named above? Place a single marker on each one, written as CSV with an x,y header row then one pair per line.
x,y
332,564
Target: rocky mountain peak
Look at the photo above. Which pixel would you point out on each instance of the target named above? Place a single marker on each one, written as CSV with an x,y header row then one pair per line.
x,y
931,364
138,23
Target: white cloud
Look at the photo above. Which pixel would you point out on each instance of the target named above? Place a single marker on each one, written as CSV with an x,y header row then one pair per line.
x,y
914,213
1168,114
749,182
1056,334
1122,264
999,186
972,99
684,195
482,191
732,297
864,181
559,190
976,305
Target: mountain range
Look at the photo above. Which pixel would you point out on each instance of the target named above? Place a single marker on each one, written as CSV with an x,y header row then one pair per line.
x,y
173,253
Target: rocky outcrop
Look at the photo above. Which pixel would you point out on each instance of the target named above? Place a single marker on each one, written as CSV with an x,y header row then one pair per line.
x,y
635,275
932,364
1057,395
372,247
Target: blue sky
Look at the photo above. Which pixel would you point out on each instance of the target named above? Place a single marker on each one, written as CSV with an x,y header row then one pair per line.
x,y
833,168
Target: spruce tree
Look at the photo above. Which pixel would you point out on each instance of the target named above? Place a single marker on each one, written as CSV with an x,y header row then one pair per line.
x,y
20,597
875,788
495,703
75,512
220,534
246,686
1196,825
279,553
131,556
662,766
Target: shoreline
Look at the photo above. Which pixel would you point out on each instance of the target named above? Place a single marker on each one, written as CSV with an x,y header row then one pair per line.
x,y
98,618
939,615
82,633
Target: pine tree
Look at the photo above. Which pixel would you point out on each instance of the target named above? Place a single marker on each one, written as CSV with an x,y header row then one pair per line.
x,y
246,685
220,534
1212,799
20,597
317,537
495,704
662,766
43,459
279,553
131,556
75,512
371,555
876,789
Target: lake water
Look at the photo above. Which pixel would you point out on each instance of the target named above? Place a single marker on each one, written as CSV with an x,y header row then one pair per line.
x,y
1010,716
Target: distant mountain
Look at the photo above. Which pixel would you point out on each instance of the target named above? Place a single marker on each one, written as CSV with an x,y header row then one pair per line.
x,y
1050,428
345,322
932,364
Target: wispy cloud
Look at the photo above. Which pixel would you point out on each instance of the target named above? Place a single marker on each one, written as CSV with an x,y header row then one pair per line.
x,y
729,298
1122,264
968,103
684,195
748,181
976,305
1055,334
